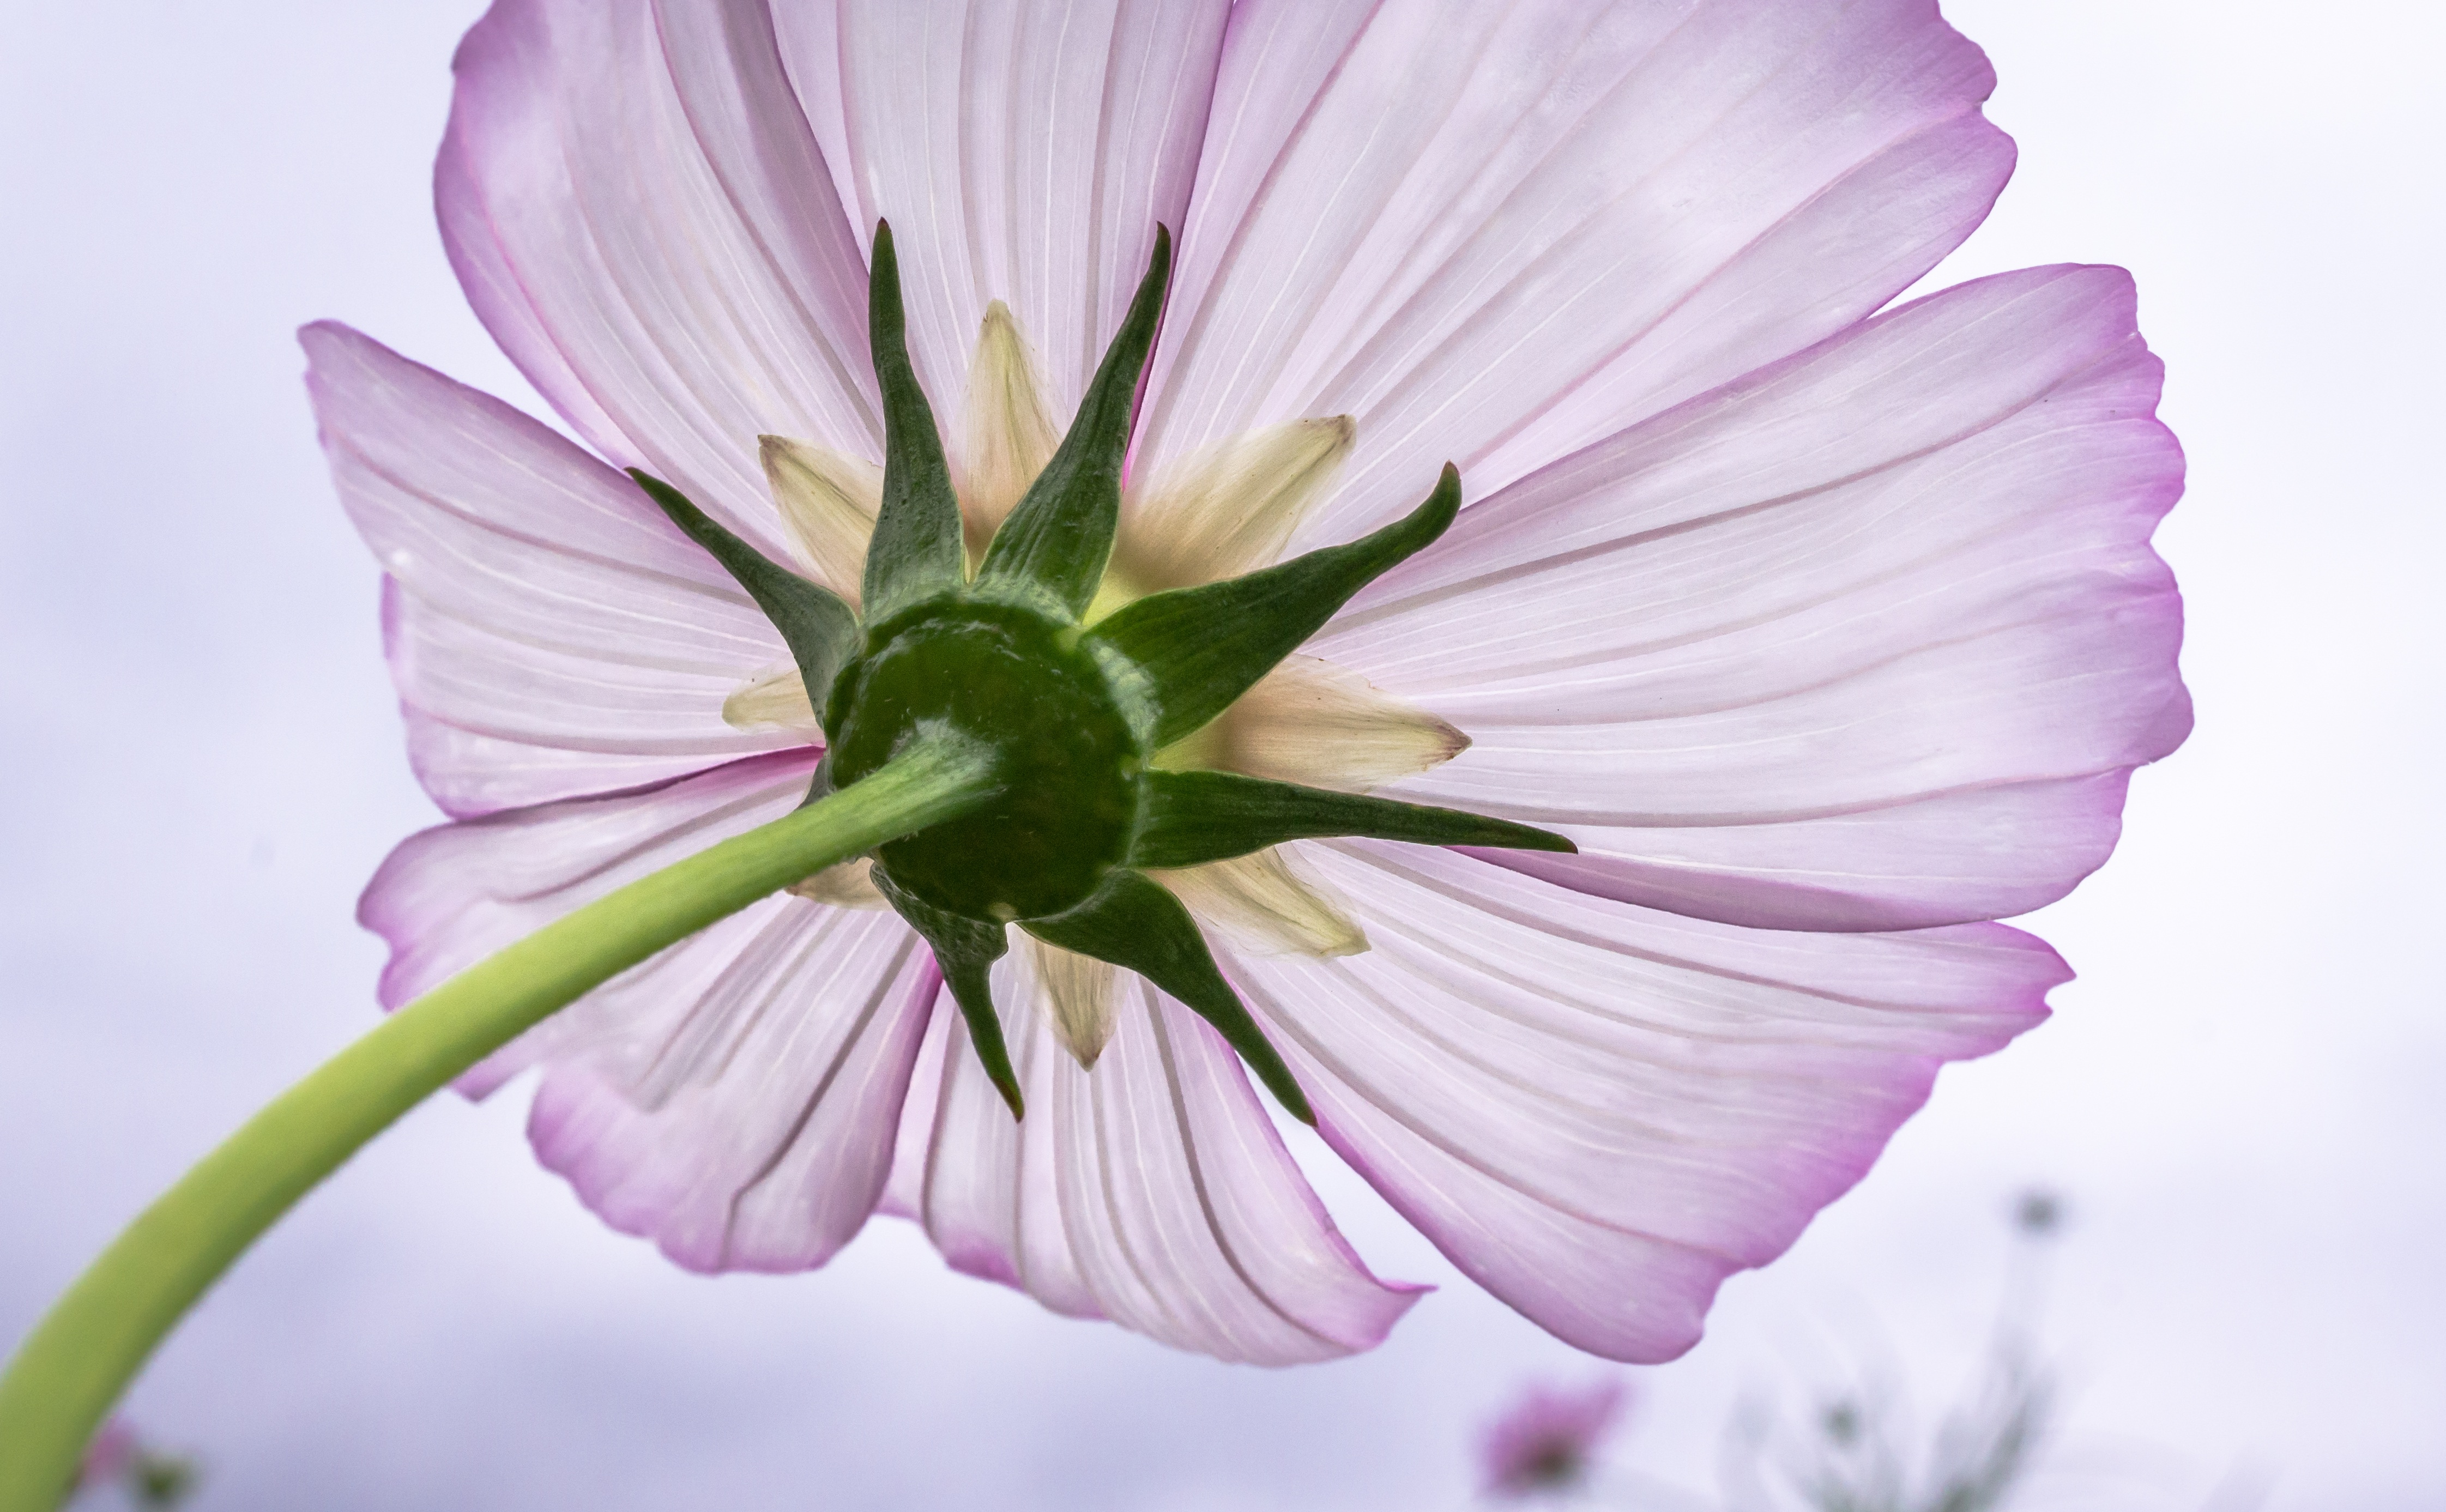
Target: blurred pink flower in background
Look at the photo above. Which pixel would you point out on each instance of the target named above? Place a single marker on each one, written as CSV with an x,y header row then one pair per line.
x,y
111,1454
1544,1442
1830,636
119,1459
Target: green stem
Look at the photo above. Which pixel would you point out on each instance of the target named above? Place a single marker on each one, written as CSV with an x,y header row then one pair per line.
x,y
82,1355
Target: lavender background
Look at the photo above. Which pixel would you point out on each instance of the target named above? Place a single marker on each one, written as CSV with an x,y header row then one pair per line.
x,y
201,763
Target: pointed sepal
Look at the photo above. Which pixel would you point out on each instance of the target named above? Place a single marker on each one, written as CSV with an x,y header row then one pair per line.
x,y
1060,536
916,551
1193,817
966,949
1195,650
820,630
1135,923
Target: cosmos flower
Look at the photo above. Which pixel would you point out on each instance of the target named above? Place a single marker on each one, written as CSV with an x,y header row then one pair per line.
x,y
113,1453
119,1457
1829,635
1543,1441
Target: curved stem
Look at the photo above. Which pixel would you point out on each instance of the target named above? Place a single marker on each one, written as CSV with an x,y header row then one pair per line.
x,y
81,1357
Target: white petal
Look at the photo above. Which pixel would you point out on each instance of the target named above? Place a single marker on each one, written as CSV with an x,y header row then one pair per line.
x,y
1598,1111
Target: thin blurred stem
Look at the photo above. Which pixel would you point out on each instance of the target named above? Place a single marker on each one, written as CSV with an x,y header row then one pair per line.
x,y
81,1357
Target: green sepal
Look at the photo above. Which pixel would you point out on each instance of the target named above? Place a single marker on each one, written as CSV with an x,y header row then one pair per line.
x,y
916,551
966,949
1059,535
820,629
1193,817
1198,648
1135,923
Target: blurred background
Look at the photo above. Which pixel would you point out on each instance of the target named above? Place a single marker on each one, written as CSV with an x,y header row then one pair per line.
x,y
201,764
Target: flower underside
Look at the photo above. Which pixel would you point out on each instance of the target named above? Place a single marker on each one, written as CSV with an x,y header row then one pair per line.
x,y
1098,684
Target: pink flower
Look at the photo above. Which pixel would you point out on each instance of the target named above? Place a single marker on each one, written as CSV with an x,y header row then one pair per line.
x,y
1830,636
1545,1441
114,1451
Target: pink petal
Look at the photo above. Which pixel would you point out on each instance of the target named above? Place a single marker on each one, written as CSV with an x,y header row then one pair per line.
x,y
1495,234
758,1134
447,897
640,215
550,632
1153,1192
1024,150
1869,639
734,1098
1599,1112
